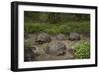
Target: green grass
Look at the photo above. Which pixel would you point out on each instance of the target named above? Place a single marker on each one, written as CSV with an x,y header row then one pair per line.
x,y
28,43
57,28
82,50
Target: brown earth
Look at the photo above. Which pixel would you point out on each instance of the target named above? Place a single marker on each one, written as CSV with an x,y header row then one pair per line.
x,y
40,54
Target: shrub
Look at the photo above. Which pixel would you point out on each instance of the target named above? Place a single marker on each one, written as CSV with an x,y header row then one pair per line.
x,y
82,50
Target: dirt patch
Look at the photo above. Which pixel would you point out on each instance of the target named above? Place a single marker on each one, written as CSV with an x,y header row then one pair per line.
x,y
41,55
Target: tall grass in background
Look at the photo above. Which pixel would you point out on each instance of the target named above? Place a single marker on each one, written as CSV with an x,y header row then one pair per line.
x,y
64,28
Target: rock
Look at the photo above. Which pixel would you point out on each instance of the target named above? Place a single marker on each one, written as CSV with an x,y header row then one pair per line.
x,y
29,54
74,36
56,48
61,37
43,38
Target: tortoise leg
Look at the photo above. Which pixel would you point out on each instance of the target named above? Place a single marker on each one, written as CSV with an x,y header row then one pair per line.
x,y
61,54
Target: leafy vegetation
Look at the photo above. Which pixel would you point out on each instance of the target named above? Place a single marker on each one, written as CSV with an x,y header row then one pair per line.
x,y
57,28
55,23
82,50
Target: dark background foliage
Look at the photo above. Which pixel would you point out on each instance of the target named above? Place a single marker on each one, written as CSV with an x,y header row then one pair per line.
x,y
53,23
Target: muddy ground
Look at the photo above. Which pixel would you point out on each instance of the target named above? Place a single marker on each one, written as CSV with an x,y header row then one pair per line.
x,y
41,55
